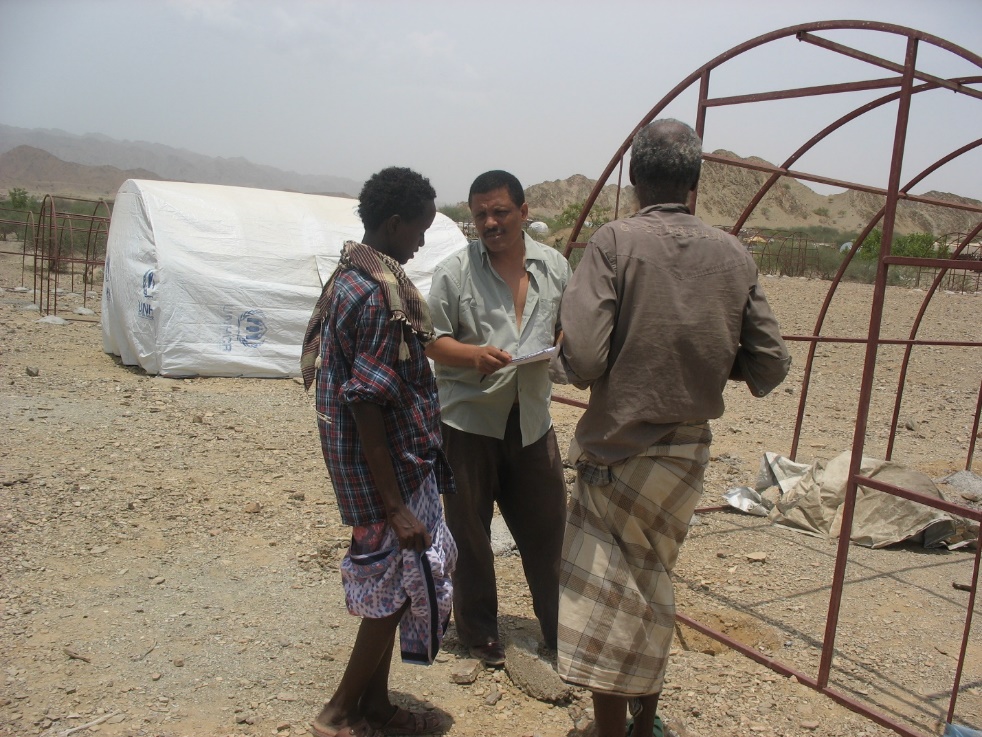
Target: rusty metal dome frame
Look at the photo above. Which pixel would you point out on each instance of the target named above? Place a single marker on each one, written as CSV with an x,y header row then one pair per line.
x,y
907,82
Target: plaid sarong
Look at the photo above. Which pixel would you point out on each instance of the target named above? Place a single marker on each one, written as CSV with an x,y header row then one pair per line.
x,y
616,599
405,302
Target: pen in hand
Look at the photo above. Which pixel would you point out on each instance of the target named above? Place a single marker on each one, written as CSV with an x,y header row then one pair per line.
x,y
490,359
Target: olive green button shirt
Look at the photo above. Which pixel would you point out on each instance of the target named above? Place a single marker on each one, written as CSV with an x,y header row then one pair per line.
x,y
472,304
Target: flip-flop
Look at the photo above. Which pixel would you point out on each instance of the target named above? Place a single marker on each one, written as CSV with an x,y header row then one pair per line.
x,y
657,730
405,722
358,729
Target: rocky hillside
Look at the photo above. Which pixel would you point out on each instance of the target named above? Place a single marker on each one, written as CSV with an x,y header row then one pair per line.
x,y
166,162
38,171
724,191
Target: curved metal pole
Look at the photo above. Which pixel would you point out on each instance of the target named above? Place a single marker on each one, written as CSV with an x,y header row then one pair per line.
x,y
816,332
975,434
823,311
822,134
869,366
47,232
904,364
831,25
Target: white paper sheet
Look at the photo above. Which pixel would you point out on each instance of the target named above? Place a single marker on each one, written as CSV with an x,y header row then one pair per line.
x,y
544,355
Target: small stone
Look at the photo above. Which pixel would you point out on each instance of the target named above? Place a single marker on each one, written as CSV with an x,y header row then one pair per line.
x,y
282,726
911,424
466,671
154,676
214,532
492,698
197,419
178,662
286,696
298,495
808,725
33,371
158,580
758,557
252,508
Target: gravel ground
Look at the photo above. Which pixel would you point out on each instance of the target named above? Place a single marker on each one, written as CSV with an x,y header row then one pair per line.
x,y
169,551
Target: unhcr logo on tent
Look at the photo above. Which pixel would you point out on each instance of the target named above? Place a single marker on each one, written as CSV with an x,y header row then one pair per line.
x,y
252,328
145,307
247,328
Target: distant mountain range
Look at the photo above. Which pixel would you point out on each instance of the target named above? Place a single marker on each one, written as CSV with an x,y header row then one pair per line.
x,y
94,166
164,162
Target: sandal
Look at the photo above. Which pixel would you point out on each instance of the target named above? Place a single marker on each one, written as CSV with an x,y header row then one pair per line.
x,y
405,722
358,729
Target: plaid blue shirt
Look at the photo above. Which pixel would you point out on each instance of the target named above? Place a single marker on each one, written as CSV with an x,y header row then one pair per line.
x,y
360,352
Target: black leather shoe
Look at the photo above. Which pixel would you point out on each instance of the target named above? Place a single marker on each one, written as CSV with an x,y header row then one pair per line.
x,y
492,653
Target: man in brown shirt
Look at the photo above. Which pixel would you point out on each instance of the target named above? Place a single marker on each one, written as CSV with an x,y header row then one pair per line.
x,y
658,315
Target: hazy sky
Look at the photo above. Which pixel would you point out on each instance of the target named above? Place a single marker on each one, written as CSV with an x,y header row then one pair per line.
x,y
543,89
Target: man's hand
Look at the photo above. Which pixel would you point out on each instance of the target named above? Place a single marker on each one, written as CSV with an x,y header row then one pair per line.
x,y
488,359
485,359
410,531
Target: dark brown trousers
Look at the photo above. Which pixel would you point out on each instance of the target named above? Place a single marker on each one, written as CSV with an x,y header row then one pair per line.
x,y
527,484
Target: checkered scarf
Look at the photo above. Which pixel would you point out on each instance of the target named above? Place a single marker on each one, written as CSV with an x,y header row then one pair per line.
x,y
406,304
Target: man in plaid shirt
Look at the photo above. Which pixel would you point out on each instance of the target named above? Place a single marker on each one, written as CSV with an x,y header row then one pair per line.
x,y
379,422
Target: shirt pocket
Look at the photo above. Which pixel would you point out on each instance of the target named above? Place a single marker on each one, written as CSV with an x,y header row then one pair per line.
x,y
540,331
471,328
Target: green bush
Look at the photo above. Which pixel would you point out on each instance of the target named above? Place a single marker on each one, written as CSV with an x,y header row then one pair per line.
x,y
598,215
917,245
860,270
459,213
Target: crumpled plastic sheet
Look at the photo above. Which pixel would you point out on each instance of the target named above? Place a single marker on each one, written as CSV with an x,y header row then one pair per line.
x,y
747,500
959,730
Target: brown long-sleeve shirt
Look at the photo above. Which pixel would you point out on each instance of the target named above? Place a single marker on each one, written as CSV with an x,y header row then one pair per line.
x,y
660,312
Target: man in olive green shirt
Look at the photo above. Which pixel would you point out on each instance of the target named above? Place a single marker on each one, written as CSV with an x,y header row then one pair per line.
x,y
494,301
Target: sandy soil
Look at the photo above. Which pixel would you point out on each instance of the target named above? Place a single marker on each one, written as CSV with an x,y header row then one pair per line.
x,y
169,551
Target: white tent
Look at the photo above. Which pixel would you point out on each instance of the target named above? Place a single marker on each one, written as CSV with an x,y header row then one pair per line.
x,y
205,280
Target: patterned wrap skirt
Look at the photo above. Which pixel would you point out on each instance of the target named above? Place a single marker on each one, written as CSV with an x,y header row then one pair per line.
x,y
379,578
626,525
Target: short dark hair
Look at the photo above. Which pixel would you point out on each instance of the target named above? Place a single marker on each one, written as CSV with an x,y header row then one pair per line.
x,y
666,153
394,191
496,179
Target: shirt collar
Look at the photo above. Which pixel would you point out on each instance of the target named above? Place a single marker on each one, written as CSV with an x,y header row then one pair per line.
x,y
533,249
666,207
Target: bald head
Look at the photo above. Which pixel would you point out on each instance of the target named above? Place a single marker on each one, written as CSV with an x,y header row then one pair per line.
x,y
666,157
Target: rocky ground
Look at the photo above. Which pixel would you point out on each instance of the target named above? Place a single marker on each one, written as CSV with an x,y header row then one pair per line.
x,y
169,551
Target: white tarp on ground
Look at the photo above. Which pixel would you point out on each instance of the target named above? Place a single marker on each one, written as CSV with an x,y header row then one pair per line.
x,y
810,499
206,280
